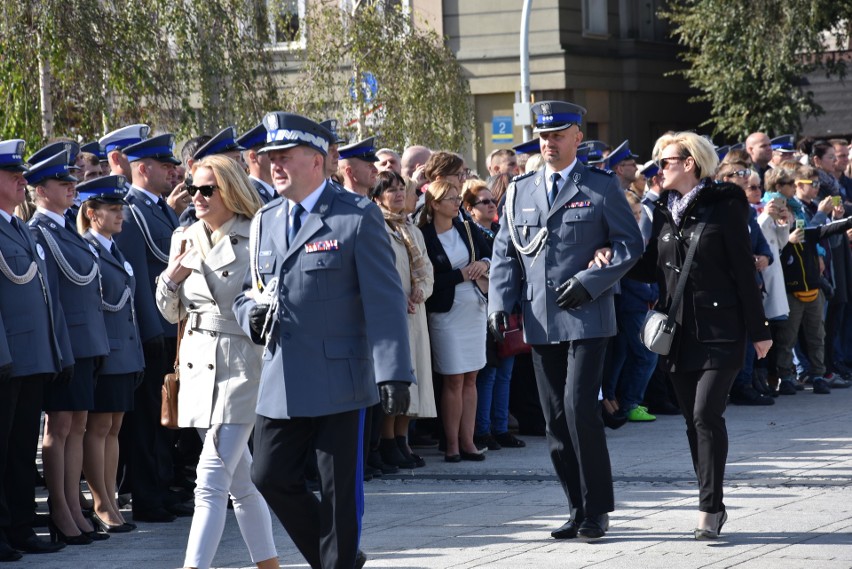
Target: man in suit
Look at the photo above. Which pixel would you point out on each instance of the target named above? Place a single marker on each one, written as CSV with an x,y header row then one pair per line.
x,y
145,239
554,220
34,331
324,296
260,171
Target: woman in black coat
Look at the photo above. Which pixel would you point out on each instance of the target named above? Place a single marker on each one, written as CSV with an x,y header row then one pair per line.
x,y
721,307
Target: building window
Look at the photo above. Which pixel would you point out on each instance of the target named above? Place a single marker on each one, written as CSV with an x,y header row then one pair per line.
x,y
286,23
595,18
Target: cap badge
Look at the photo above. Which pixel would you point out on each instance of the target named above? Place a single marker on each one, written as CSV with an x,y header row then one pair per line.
x,y
545,109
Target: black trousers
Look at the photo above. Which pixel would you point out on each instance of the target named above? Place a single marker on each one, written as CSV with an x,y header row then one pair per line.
x,y
702,396
569,378
145,446
325,531
20,414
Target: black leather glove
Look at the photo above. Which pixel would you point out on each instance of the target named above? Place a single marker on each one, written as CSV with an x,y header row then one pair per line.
x,y
572,294
497,323
395,397
6,372
257,318
64,376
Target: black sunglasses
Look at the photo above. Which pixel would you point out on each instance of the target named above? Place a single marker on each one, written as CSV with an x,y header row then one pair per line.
x,y
486,202
206,191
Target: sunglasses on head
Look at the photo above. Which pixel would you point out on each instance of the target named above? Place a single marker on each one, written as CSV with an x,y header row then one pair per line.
x,y
206,191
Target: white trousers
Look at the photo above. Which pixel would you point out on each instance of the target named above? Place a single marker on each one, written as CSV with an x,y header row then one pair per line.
x,y
224,467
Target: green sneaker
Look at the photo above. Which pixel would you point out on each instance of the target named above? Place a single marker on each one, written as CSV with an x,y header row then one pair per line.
x,y
638,414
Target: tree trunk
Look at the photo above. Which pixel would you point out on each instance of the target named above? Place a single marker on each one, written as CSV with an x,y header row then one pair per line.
x,y
44,87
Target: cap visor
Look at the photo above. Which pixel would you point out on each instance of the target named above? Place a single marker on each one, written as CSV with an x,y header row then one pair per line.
x,y
271,147
14,168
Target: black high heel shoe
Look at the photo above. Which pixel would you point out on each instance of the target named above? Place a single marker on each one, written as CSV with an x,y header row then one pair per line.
x,y
106,528
57,536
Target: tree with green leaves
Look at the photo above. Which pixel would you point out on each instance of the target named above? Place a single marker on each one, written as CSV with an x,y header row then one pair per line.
x,y
84,67
381,74
748,58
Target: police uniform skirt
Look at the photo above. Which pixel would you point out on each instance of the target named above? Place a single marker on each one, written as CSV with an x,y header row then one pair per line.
x,y
78,394
114,393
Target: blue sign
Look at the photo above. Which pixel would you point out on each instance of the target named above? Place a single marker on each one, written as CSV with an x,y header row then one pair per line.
x,y
367,88
501,130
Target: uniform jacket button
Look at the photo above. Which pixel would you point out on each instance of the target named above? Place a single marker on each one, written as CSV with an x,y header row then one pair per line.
x,y
209,366
191,306
224,273
233,241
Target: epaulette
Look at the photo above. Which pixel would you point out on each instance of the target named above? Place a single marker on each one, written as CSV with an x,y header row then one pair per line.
x,y
602,171
522,176
354,199
270,205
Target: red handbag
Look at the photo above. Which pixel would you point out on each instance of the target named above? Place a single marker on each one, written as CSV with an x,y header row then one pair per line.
x,y
513,343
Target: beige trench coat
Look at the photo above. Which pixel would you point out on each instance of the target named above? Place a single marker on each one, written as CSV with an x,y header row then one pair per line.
x,y
219,365
423,397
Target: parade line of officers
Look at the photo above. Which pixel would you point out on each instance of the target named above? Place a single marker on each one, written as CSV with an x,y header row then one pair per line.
x,y
320,305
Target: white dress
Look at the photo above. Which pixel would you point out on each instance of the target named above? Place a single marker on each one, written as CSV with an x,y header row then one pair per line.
x,y
458,336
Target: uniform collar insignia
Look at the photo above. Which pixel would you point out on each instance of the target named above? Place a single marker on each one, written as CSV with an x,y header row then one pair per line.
x,y
576,177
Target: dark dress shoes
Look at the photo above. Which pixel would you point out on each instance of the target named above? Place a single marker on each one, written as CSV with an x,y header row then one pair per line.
x,y
360,559
7,553
594,527
156,516
508,440
567,531
181,510
472,456
34,544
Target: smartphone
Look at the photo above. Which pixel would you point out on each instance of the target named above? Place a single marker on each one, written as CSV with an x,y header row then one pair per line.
x,y
836,201
779,202
800,224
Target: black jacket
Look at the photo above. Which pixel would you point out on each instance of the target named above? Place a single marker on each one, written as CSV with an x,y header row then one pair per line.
x,y
721,307
446,278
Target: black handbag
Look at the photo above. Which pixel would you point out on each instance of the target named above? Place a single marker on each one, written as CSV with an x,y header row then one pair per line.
x,y
659,328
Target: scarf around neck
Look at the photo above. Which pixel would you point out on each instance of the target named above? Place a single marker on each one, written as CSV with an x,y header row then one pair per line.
x,y
678,204
399,223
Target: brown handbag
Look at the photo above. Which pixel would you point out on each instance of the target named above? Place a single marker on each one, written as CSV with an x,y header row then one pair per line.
x,y
170,389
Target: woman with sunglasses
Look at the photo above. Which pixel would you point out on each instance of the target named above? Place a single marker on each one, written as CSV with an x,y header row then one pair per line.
x,y
455,312
219,364
720,308
492,381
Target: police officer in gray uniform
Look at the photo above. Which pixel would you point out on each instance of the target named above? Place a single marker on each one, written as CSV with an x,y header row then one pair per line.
x,y
35,332
324,297
144,240
553,222
72,265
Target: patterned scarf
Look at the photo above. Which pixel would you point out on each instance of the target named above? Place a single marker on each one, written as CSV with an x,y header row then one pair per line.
x,y
678,204
399,223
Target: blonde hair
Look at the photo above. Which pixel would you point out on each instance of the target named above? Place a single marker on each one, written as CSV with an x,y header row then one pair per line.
x,y
435,192
236,190
690,144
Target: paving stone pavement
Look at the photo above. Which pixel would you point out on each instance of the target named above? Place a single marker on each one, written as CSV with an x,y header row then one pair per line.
x,y
788,495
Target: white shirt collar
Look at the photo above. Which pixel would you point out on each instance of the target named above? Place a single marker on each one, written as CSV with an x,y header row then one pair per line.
x,y
153,197
106,242
562,173
311,200
60,220
6,215
270,191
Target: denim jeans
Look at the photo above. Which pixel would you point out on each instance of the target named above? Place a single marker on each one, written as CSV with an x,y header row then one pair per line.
x,y
492,403
632,363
